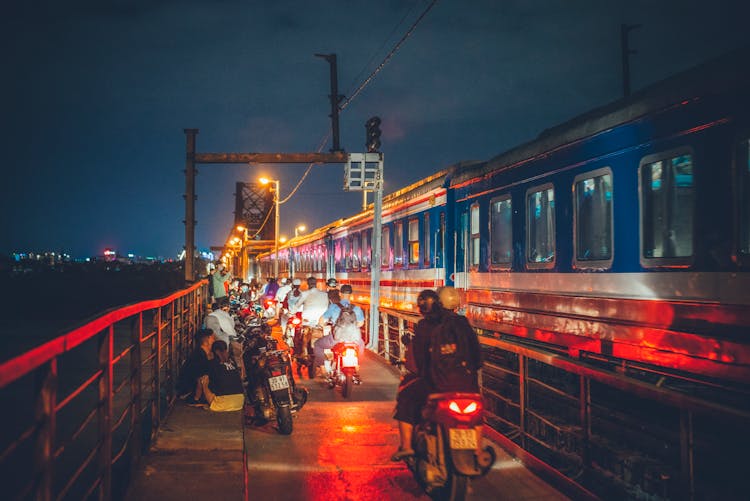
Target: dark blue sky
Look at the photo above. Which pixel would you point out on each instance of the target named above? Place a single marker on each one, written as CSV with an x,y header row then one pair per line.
x,y
95,96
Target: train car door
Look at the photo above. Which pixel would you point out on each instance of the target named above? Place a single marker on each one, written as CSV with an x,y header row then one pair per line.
x,y
461,256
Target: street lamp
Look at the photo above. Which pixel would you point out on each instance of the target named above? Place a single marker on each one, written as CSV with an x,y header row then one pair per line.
x,y
298,229
276,195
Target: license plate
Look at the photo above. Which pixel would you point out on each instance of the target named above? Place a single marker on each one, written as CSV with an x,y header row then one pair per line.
x,y
463,438
278,382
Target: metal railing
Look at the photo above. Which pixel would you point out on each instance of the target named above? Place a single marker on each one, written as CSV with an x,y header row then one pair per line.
x,y
577,421
118,371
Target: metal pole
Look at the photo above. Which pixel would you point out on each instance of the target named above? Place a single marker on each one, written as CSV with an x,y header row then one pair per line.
x,y
375,264
335,99
625,54
276,234
190,204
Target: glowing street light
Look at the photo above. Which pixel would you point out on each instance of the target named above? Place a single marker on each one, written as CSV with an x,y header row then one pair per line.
x,y
276,195
299,229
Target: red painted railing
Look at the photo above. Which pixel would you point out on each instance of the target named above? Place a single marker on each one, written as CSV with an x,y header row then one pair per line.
x,y
118,371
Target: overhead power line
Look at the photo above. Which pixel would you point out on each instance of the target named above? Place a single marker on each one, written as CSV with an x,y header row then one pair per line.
x,y
348,100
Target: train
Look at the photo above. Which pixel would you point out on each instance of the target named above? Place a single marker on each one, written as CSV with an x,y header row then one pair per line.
x,y
621,236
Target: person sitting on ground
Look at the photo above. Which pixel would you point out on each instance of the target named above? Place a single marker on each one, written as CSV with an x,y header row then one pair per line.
x,y
222,325
197,365
222,387
347,319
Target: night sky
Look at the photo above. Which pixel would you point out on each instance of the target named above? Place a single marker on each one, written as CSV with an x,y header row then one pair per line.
x,y
96,94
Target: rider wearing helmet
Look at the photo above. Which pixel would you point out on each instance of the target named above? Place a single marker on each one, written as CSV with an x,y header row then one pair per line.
x,y
437,309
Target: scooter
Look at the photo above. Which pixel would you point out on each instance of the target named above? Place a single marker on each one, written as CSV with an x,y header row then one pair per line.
x,y
341,365
273,390
446,445
301,341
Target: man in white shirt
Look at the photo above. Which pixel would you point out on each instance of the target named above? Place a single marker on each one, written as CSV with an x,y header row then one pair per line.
x,y
313,303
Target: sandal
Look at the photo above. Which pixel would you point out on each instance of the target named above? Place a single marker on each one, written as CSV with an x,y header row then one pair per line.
x,y
402,454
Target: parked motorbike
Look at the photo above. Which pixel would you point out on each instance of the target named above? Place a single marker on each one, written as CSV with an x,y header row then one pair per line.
x,y
341,365
272,388
446,445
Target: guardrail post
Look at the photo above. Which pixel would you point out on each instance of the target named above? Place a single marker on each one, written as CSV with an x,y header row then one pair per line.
x,y
171,389
105,412
156,402
584,402
136,362
686,454
522,397
46,382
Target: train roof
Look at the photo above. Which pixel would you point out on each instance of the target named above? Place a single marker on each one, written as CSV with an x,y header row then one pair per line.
x,y
725,73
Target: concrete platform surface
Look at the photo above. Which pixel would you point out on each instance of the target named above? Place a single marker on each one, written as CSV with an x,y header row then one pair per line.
x,y
197,455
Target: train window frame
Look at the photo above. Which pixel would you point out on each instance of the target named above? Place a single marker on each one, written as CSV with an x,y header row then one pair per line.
x,y
385,248
398,245
540,265
597,264
475,238
413,247
500,266
354,246
366,251
741,221
674,261
427,238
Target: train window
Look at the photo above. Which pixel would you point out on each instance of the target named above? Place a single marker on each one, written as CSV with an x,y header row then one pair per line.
x,y
414,241
593,219
501,231
366,250
398,244
667,194
540,226
385,257
743,170
440,243
427,238
474,229
355,250
347,251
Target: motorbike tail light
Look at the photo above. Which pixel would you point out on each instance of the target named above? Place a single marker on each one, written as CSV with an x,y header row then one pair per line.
x,y
464,407
269,303
349,358
296,321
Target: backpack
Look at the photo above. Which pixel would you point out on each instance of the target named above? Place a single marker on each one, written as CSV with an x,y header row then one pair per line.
x,y
452,365
346,316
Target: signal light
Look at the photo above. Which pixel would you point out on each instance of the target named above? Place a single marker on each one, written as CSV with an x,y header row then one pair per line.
x,y
372,135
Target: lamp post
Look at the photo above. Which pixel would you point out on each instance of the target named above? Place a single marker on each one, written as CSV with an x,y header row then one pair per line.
x,y
243,268
276,194
298,229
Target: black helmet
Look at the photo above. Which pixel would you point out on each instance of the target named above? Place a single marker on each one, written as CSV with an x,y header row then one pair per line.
x,y
332,282
346,289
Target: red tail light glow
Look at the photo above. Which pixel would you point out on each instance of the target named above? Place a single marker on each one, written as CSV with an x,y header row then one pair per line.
x,y
464,406
296,321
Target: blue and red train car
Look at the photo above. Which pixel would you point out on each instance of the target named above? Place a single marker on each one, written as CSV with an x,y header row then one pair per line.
x,y
622,235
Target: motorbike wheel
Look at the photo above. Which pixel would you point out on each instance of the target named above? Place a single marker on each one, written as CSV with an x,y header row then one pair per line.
x,y
284,419
346,389
456,488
